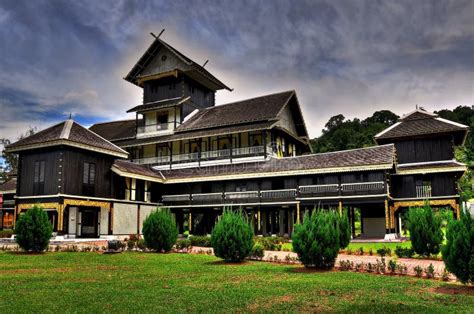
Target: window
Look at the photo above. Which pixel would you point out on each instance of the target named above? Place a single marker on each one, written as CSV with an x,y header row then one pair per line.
x,y
88,179
38,181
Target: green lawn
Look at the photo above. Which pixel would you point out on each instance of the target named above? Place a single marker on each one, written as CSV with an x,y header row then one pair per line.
x,y
378,245
147,282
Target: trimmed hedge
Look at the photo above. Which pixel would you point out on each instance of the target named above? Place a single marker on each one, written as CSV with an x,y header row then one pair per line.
x,y
159,231
232,237
33,230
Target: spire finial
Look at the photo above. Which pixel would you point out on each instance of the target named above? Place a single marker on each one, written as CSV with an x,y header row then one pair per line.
x,y
70,115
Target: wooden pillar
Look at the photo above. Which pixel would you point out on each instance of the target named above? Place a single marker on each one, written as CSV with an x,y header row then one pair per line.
x,y
392,219
138,219
290,221
60,217
387,218
340,208
353,222
298,218
111,219
14,216
259,227
264,222
190,222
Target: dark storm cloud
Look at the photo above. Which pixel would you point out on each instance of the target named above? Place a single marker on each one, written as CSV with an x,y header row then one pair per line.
x,y
350,57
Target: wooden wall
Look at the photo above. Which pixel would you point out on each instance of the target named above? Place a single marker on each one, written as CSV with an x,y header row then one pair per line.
x,y
442,184
27,169
427,149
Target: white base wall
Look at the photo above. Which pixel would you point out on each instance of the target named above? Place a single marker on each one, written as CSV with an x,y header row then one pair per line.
x,y
104,221
145,210
125,219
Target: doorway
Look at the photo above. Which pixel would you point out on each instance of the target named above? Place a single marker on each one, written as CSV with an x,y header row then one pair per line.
x,y
89,222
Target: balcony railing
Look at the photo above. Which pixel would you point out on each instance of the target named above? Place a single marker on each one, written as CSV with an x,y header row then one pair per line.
x,y
362,187
242,195
324,189
304,191
176,198
423,191
153,160
252,150
278,194
223,153
186,157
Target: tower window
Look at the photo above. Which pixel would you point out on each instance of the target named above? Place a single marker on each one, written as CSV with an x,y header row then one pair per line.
x,y
38,180
88,179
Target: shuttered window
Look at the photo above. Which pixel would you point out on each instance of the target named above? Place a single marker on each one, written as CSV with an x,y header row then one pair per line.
x,y
38,178
88,179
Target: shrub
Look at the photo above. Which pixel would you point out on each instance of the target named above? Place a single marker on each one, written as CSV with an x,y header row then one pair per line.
x,y
271,243
6,233
346,265
232,237
458,253
141,244
183,244
359,266
257,251
349,251
344,229
134,237
404,252
317,240
429,271
361,251
425,231
402,269
381,266
445,275
203,241
371,252
418,271
33,230
159,231
385,251
130,245
392,266
369,267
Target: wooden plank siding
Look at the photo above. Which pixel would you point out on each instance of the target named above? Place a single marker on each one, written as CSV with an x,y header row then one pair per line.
x,y
427,149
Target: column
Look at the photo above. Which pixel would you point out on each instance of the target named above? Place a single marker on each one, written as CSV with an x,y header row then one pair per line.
x,y
387,218
190,221
264,222
353,221
259,226
298,218
290,222
340,208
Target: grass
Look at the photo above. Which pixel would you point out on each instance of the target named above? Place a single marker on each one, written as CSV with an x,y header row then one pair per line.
x,y
377,245
147,282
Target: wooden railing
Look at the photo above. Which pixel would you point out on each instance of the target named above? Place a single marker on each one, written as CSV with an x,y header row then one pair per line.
x,y
152,160
285,194
423,191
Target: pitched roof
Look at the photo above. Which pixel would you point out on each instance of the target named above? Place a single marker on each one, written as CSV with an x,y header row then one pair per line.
x,y
150,54
372,158
8,186
430,167
116,130
420,122
68,133
263,108
126,168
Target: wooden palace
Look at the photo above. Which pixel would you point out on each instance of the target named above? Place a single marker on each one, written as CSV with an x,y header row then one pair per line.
x,y
183,152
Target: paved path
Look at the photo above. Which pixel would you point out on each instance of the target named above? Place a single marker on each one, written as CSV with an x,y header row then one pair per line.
x,y
290,257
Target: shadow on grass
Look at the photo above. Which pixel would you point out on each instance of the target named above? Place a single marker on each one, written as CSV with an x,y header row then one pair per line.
x,y
222,262
297,269
454,289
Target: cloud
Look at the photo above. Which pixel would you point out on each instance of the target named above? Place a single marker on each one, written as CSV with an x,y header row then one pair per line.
x,y
344,57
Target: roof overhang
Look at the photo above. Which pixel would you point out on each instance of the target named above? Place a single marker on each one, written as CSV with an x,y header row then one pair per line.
x,y
131,175
70,143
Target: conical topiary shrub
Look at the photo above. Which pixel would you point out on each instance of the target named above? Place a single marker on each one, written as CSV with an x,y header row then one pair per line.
x,y
33,230
159,231
232,237
425,231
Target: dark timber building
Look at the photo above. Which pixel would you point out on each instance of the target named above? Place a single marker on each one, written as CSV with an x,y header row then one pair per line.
x,y
196,158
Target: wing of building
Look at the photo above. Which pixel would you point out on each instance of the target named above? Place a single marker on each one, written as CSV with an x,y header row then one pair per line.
x,y
185,152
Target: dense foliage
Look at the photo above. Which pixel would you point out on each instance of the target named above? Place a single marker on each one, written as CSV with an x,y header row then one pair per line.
x,y
425,230
33,230
11,159
317,241
203,241
159,230
458,253
344,229
232,237
341,134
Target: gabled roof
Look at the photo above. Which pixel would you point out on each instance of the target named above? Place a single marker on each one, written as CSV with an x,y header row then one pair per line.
x,y
195,71
363,159
421,122
68,133
116,130
263,108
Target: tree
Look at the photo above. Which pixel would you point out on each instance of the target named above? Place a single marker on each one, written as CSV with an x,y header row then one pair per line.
x,y
425,230
159,230
10,159
344,229
232,237
317,241
33,230
458,253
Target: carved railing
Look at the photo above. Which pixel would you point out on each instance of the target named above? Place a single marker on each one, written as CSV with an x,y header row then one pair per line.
x,y
278,194
319,189
423,191
176,198
242,195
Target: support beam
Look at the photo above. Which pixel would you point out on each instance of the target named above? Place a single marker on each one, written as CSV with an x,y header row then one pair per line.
x,y
190,222
340,208
259,227
298,218
281,222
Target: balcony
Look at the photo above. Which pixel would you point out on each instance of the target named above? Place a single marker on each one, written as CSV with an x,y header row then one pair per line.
x,y
283,195
423,191
206,158
152,129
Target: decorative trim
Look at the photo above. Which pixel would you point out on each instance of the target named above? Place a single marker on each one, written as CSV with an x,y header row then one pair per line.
x,y
54,205
100,204
431,170
447,202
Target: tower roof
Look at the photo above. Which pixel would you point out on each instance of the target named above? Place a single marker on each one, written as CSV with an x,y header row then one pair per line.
x,y
68,133
154,56
420,123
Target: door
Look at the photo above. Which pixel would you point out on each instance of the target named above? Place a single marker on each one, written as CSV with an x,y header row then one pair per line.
x,y
89,223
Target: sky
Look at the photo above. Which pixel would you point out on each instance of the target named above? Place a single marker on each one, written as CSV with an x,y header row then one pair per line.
x,y
350,57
